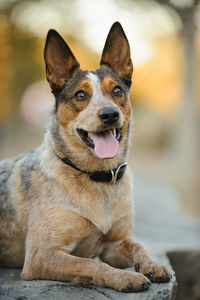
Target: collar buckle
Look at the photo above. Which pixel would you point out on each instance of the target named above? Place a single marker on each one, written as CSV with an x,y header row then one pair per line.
x,y
115,173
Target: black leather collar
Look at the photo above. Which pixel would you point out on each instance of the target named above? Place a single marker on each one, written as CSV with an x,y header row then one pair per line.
x,y
111,176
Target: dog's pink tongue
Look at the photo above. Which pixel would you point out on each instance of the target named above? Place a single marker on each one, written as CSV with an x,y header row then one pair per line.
x,y
106,146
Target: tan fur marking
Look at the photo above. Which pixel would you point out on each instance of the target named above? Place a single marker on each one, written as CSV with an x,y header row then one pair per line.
x,y
67,111
108,85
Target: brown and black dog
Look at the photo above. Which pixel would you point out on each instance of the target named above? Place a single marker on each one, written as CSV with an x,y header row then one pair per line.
x,y
69,200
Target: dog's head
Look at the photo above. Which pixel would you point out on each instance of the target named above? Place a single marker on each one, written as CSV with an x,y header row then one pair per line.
x,y
92,107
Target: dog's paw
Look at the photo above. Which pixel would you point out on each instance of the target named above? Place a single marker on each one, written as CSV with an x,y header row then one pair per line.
x,y
128,281
154,271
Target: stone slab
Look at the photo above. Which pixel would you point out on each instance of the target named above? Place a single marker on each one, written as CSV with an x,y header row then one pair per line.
x,y
13,287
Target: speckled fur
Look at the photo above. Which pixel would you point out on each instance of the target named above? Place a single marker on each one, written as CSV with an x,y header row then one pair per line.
x,y
53,219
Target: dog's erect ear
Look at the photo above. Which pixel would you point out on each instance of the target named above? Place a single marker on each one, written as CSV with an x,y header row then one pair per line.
x,y
59,59
116,52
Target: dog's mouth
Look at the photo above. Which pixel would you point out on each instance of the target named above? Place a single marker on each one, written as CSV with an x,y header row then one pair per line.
x,y
104,143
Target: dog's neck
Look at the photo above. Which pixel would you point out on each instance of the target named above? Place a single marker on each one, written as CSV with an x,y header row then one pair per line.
x,y
108,176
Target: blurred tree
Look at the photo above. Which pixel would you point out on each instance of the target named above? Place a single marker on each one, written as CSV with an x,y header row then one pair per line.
x,y
158,83
24,61
6,69
187,139
18,57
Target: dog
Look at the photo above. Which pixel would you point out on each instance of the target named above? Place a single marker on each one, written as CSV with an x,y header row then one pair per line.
x,y
69,201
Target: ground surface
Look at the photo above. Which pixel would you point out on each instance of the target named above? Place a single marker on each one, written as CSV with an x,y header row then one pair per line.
x,y
160,223
12,287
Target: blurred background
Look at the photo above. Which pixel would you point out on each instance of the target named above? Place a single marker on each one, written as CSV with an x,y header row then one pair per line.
x,y
165,42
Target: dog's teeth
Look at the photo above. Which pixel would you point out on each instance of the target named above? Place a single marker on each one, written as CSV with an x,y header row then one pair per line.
x,y
113,131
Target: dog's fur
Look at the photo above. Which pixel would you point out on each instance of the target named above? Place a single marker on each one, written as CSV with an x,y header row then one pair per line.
x,y
54,218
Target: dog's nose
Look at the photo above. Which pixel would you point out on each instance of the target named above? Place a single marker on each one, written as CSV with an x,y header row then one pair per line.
x,y
109,115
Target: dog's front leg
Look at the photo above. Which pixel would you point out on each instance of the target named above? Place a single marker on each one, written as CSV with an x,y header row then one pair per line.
x,y
58,265
49,247
121,251
127,253
143,263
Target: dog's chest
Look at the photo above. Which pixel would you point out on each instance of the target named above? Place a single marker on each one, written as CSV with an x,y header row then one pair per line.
x,y
101,207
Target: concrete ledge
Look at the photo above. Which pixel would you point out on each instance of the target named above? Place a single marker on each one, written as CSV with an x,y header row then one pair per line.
x,y
12,287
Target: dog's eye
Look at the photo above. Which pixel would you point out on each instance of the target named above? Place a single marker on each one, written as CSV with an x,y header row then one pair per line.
x,y
117,91
80,95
